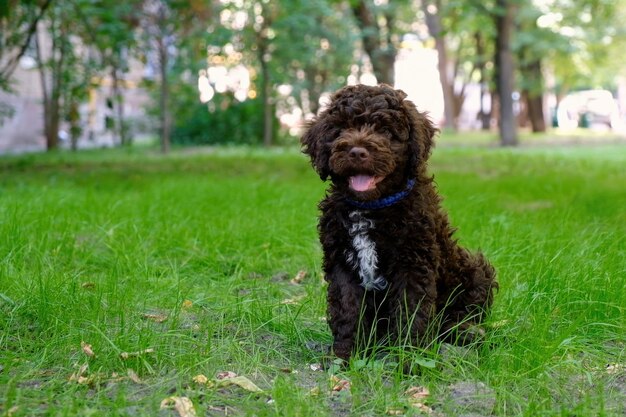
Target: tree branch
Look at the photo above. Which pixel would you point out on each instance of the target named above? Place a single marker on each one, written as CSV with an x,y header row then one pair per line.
x,y
10,66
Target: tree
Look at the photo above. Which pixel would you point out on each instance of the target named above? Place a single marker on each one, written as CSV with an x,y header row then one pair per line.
x,y
18,25
319,61
248,28
431,10
572,41
588,43
165,27
109,28
464,37
303,47
63,72
376,24
531,45
159,23
488,26
265,15
504,68
481,66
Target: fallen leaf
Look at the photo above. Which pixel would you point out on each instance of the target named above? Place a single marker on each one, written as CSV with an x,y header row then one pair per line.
x,y
115,377
79,376
126,355
132,375
292,300
87,350
183,406
614,368
299,277
225,375
200,379
187,304
316,367
423,408
155,317
314,392
339,384
417,393
240,381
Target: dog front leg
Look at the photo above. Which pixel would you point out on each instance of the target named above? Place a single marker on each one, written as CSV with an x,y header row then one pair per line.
x,y
411,320
344,311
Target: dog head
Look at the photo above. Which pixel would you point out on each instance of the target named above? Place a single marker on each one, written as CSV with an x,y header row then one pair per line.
x,y
369,141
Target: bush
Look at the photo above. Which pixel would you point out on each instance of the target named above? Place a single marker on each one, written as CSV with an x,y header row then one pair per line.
x,y
224,121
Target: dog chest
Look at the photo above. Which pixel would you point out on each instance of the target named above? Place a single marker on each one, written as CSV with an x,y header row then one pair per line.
x,y
362,255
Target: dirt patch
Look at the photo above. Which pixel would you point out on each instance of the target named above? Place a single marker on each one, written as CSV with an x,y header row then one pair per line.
x,y
469,398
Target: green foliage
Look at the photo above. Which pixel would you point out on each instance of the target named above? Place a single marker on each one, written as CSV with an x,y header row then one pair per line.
x,y
108,26
320,60
18,24
589,36
6,112
310,44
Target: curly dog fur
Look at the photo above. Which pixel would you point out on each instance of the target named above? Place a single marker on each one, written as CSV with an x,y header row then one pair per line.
x,y
395,272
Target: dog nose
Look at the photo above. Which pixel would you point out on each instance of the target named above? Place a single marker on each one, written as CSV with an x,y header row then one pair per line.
x,y
358,153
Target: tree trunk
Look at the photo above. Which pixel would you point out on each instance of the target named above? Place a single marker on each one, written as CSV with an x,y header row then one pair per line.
x,y
316,88
382,54
50,98
164,108
433,22
74,122
118,100
263,46
165,88
535,112
533,96
484,116
504,72
268,117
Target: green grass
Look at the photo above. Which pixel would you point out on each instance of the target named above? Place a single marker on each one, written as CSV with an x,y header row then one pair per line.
x,y
91,242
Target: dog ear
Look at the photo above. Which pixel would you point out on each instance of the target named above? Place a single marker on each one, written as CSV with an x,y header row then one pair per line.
x,y
421,135
316,142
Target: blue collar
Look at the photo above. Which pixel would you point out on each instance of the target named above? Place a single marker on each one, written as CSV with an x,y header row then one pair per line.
x,y
383,202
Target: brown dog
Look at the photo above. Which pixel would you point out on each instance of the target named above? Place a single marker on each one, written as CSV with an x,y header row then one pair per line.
x,y
394,270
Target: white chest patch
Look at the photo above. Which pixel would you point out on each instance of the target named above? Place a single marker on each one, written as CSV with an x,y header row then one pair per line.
x,y
363,257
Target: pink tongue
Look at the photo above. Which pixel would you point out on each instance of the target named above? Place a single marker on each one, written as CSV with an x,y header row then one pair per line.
x,y
362,183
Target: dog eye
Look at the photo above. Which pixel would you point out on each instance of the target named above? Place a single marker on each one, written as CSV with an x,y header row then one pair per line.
x,y
391,135
386,133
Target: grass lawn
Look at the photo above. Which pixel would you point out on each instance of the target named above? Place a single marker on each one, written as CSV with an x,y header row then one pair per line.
x,y
124,276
